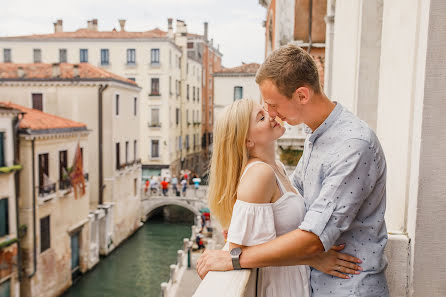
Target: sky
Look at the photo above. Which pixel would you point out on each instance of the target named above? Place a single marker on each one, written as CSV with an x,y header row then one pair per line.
x,y
235,25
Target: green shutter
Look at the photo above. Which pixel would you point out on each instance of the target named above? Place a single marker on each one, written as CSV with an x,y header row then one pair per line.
x,y
4,217
2,149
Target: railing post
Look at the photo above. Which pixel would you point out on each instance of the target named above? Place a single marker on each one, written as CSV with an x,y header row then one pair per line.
x,y
164,289
180,258
172,273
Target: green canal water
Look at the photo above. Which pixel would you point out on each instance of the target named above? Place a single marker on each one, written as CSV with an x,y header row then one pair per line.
x,y
138,266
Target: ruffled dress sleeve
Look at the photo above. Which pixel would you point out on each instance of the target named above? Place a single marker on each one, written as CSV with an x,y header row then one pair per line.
x,y
251,223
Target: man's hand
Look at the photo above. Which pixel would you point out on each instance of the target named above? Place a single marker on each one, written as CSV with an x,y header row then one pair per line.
x,y
335,263
213,260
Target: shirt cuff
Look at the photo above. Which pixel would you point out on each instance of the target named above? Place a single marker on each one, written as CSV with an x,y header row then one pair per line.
x,y
317,223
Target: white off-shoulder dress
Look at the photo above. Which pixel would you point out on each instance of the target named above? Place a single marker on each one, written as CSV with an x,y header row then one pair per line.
x,y
256,223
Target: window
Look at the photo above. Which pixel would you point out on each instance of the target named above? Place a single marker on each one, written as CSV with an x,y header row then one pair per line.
x,y
37,101
187,92
155,149
170,85
63,55
7,55
45,187
135,187
45,239
4,217
155,117
5,288
63,171
155,56
180,142
117,104
190,45
83,55
2,149
177,92
37,54
118,160
126,152
135,151
198,94
238,93
155,86
187,141
131,56
177,116
193,93
187,116
82,157
105,56
135,106
187,68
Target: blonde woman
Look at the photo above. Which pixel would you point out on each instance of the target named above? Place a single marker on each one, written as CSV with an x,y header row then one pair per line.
x,y
250,194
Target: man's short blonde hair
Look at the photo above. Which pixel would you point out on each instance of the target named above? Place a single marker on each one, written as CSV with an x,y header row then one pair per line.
x,y
289,68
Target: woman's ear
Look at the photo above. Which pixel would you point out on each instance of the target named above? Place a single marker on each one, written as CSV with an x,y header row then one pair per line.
x,y
249,143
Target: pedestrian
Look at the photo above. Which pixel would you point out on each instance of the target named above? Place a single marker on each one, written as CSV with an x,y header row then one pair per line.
x,y
196,180
174,183
199,241
184,185
146,187
153,185
164,186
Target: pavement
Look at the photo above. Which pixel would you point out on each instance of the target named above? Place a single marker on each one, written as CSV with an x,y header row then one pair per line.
x,y
190,280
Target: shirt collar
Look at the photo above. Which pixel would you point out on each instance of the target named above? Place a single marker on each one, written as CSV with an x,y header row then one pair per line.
x,y
332,117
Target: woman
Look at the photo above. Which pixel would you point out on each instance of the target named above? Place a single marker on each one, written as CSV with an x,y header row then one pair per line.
x,y
251,194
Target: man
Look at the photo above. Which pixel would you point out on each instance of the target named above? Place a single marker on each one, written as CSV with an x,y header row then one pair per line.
x,y
341,175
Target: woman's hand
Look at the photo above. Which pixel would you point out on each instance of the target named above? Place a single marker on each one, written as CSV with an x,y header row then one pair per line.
x,y
335,263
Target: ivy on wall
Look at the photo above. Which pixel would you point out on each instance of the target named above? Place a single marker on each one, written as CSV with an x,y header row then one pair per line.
x,y
290,156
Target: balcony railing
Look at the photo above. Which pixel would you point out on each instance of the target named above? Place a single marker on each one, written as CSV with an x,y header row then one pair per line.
x,y
154,125
224,284
64,184
48,189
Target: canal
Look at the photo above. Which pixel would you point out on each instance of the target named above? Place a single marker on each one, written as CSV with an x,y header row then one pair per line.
x,y
138,266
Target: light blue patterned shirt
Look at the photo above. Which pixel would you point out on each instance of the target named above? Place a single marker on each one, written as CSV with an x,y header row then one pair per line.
x,y
342,177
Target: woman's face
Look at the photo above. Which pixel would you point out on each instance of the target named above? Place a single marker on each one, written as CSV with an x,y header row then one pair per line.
x,y
263,130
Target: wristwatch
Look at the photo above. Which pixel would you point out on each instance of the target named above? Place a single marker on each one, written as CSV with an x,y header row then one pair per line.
x,y
235,255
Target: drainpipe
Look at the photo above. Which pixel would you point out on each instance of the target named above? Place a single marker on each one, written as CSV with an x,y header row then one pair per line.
x,y
15,127
310,23
34,209
101,90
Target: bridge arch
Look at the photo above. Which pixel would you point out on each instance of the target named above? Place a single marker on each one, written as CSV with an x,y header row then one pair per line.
x,y
156,205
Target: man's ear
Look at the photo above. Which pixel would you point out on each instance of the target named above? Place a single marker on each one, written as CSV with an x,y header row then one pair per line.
x,y
302,95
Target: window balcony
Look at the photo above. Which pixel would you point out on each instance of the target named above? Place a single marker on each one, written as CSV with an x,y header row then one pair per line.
x,y
47,189
64,184
154,125
154,94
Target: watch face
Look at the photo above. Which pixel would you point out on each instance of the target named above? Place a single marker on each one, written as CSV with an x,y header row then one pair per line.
x,y
236,251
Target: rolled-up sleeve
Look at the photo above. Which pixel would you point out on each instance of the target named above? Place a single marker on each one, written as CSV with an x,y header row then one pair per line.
x,y
351,175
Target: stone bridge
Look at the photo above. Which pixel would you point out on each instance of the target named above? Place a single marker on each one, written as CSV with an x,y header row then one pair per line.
x,y
193,201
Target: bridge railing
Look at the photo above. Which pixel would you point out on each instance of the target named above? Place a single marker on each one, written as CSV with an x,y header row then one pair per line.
x,y
224,284
200,193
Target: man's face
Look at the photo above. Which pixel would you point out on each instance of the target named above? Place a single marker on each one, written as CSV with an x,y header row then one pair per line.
x,y
279,105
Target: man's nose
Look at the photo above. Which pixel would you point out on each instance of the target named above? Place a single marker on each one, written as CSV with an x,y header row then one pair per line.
x,y
272,113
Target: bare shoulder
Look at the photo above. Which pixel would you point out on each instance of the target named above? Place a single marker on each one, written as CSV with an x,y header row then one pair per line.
x,y
258,184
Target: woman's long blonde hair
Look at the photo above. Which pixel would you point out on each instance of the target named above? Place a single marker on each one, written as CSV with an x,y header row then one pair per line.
x,y
229,157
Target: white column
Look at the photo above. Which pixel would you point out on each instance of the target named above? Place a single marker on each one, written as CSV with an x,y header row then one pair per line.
x,y
356,57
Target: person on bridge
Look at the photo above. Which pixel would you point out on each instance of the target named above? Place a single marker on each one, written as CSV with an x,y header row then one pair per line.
x,y
165,186
174,183
184,186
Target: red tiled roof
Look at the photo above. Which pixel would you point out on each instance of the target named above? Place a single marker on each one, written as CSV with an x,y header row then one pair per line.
x,y
93,34
37,120
64,71
244,68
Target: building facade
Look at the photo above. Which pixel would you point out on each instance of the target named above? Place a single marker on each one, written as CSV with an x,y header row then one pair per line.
x,y
235,83
54,240
108,104
9,232
154,59
201,48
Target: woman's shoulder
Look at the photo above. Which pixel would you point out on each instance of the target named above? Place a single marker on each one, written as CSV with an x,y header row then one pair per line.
x,y
258,184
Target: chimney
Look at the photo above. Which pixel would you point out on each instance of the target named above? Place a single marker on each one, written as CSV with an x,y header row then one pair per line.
x,y
169,28
212,42
181,27
90,25
95,24
205,31
56,70
20,72
58,26
122,24
75,71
